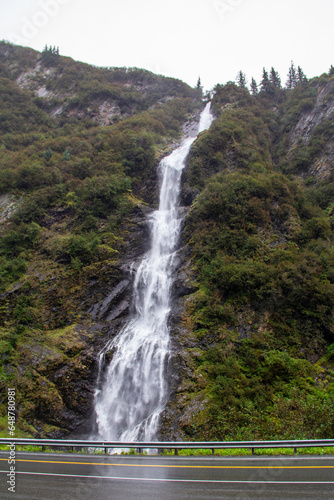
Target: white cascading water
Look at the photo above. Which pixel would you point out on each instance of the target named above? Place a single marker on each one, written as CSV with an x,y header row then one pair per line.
x,y
134,390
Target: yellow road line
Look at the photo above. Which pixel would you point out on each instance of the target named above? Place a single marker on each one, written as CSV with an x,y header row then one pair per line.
x,y
181,466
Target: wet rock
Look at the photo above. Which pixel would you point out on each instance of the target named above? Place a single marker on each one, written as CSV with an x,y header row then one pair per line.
x,y
75,379
183,282
107,308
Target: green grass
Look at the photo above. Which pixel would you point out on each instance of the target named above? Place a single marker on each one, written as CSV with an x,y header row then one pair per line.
x,y
190,452
248,452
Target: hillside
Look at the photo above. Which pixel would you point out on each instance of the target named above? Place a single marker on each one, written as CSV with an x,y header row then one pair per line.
x,y
255,333
78,156
252,324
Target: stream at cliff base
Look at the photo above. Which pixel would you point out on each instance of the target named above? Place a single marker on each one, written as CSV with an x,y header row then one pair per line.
x,y
134,389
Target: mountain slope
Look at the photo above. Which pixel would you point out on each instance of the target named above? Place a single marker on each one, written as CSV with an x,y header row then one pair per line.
x,y
78,156
256,335
252,323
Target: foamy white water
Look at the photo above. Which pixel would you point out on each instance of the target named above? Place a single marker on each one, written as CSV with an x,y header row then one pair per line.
x,y
135,389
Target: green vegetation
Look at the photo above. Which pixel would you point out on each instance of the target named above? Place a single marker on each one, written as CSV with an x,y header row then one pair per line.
x,y
226,452
262,264
77,147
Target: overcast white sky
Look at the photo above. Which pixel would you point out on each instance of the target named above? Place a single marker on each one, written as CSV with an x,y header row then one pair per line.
x,y
184,39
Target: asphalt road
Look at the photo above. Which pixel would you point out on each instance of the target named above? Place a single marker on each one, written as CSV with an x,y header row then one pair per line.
x,y
84,477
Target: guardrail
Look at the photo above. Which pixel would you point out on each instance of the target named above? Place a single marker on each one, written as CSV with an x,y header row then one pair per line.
x,y
163,445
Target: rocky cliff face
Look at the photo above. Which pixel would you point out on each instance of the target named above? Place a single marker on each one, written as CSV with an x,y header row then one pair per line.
x,y
56,372
309,126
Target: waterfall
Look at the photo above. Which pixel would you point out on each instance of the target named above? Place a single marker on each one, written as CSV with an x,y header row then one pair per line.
x,y
134,390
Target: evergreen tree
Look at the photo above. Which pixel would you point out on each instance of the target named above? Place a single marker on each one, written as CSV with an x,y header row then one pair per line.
x,y
51,50
265,83
292,77
254,87
241,79
199,87
275,79
331,70
50,55
301,75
